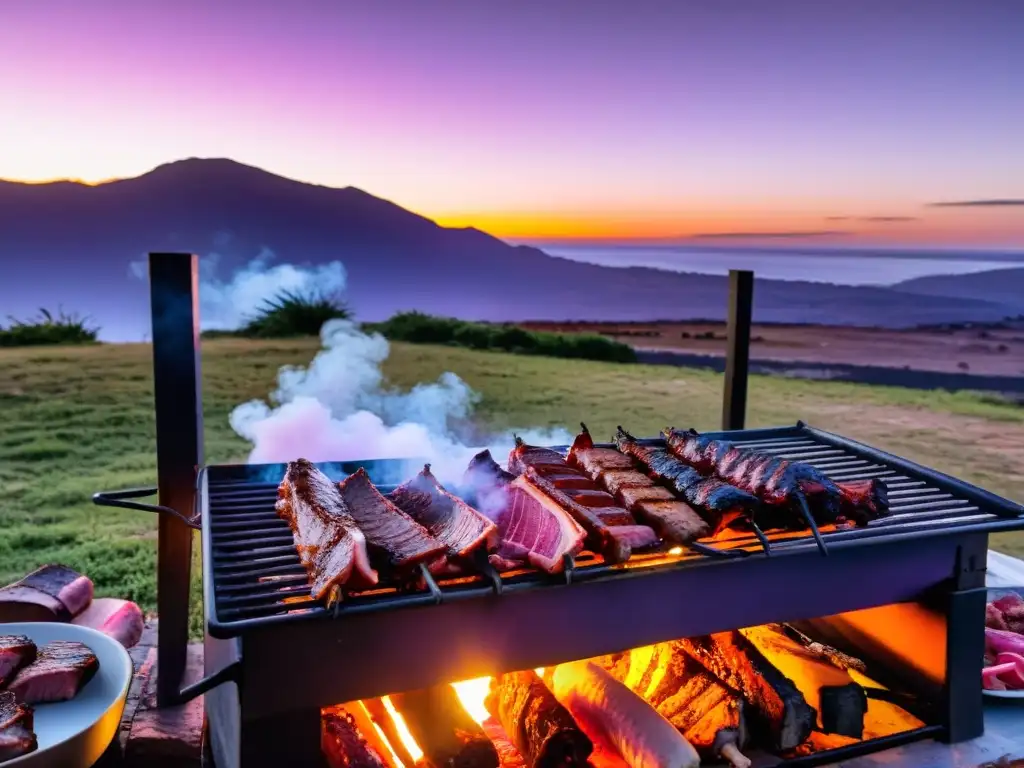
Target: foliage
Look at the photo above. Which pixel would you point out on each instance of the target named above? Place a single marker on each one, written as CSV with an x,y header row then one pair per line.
x,y
47,329
290,314
418,328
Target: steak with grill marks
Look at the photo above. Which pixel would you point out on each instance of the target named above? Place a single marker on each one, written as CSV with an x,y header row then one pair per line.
x,y
331,547
532,528
16,736
389,531
446,517
15,652
59,672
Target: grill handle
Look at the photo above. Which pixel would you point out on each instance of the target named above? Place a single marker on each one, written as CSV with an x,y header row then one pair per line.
x,y
123,500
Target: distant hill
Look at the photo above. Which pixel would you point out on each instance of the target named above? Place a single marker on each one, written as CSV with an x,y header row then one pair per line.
x,y
1000,285
71,244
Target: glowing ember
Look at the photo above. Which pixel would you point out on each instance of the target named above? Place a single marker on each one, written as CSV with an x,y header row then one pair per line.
x,y
676,551
471,695
396,761
403,730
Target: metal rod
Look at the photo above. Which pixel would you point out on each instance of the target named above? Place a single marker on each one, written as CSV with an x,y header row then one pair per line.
x,y
174,305
737,351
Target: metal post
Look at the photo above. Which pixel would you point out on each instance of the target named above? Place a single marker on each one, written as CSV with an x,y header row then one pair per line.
x,y
737,352
174,305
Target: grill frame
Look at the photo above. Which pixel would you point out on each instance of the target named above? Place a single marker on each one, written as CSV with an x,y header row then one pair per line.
x,y
925,503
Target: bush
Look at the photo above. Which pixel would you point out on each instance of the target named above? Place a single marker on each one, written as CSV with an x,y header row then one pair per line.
x,y
288,315
47,329
418,328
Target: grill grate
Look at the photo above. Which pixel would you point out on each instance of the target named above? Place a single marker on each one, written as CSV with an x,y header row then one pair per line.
x,y
252,570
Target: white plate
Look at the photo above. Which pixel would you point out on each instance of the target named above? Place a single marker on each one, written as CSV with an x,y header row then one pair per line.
x,y
76,733
1003,694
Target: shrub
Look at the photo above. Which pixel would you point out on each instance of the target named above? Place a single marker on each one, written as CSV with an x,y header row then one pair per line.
x,y
48,329
418,328
289,314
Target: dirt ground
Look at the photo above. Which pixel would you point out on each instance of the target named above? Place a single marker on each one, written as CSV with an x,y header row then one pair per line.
x,y
974,350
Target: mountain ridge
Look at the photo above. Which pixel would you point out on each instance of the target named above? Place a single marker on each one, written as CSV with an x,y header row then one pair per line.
x,y
395,259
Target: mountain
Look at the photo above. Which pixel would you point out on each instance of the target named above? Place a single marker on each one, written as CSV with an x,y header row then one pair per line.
x,y
1000,285
71,244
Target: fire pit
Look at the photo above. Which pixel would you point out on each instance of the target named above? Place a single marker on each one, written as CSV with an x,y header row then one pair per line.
x,y
904,594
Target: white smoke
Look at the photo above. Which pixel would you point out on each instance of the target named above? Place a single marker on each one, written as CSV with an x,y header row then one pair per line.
x,y
227,304
339,408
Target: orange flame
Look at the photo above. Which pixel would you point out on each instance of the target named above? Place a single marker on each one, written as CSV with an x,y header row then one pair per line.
x,y
403,730
396,760
473,693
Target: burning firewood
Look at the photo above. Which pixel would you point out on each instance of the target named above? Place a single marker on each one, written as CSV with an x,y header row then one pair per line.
x,y
708,714
603,705
442,729
780,708
840,702
345,744
542,730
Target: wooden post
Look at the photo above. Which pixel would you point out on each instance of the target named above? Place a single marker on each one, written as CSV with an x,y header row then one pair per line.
x,y
737,353
174,306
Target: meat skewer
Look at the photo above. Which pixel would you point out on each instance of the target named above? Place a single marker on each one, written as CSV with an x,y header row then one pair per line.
x,y
778,706
781,482
444,730
723,505
445,516
611,530
390,533
541,729
601,703
331,547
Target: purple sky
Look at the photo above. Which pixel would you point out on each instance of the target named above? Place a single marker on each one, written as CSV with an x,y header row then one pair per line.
x,y
547,117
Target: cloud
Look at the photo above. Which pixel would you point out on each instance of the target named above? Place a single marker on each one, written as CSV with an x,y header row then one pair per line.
x,y
876,219
997,203
761,235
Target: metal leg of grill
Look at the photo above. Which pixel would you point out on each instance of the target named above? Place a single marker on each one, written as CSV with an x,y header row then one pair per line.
x,y
174,299
965,644
290,739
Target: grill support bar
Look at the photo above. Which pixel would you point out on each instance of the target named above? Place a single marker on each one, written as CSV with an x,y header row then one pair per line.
x,y
737,350
965,643
174,306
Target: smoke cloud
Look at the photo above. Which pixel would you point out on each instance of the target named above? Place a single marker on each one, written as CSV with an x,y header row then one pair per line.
x,y
226,304
340,408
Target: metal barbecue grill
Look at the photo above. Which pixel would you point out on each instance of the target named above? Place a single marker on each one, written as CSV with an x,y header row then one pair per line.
x,y
274,656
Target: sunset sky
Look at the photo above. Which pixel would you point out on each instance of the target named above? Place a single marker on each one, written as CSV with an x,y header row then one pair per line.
x,y
835,121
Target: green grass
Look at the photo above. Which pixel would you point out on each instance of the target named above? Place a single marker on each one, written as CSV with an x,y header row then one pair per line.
x,y
47,329
418,328
75,420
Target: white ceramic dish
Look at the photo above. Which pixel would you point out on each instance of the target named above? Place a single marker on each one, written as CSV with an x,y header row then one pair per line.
x,y
1004,694
75,733
994,593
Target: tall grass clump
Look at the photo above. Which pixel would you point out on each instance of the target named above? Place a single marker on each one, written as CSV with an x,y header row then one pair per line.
x,y
418,328
47,329
290,314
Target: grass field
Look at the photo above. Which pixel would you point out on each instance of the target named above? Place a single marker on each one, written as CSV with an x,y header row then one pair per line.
x,y
77,420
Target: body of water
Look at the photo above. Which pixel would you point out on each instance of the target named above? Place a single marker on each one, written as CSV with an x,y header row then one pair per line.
x,y
884,268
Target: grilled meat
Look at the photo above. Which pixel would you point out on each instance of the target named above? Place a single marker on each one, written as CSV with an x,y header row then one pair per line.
x,y
344,743
611,530
780,482
673,520
603,705
16,651
542,730
483,470
533,529
719,503
839,701
444,731
390,532
59,672
330,545
50,593
708,714
16,736
446,517
780,714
